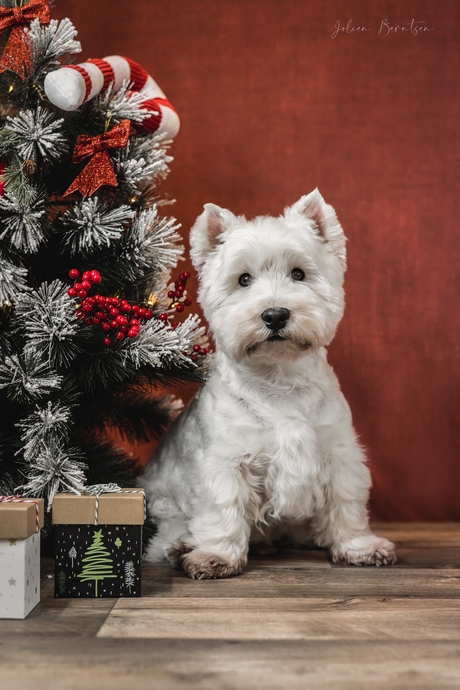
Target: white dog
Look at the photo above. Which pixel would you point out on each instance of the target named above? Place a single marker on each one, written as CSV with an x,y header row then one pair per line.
x,y
267,450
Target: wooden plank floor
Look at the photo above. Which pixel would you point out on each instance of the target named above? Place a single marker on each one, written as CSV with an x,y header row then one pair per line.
x,y
290,621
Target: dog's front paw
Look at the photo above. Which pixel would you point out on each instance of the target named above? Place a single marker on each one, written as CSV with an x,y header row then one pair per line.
x,y
200,565
365,550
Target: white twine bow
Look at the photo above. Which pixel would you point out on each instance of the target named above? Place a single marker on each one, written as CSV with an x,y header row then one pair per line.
x,y
20,499
98,489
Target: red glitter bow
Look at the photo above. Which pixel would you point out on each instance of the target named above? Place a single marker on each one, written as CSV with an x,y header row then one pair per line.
x,y
99,170
15,56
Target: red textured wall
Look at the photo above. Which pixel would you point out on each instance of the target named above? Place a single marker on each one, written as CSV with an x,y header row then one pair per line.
x,y
272,107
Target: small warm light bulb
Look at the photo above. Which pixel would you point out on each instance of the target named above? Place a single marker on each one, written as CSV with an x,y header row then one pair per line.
x,y
11,88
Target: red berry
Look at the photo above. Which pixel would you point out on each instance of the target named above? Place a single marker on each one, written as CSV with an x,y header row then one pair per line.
x,y
196,348
114,312
86,307
180,307
203,351
133,332
186,275
85,285
171,294
174,326
88,322
181,277
95,277
135,308
194,358
107,341
105,326
73,273
142,312
113,324
71,292
163,317
178,293
188,302
148,313
119,335
95,321
134,322
185,354
86,275
78,287
100,315
82,294
124,329
122,320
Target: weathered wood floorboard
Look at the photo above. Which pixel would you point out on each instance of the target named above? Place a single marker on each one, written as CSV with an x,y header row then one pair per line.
x,y
292,620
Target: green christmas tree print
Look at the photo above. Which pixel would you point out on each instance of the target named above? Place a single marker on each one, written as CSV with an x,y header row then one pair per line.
x,y
97,563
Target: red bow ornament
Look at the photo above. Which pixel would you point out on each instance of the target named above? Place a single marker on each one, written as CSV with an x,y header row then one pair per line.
x,y
99,170
15,56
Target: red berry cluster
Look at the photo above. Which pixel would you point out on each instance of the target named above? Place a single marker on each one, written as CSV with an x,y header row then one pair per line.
x,y
177,295
121,318
108,311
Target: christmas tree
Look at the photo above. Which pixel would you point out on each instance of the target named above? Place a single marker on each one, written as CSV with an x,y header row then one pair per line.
x,y
98,565
98,349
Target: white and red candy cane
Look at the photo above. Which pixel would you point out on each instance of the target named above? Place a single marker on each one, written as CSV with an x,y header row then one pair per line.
x,y
71,86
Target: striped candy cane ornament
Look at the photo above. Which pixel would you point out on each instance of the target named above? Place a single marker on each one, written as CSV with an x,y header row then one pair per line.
x,y
71,86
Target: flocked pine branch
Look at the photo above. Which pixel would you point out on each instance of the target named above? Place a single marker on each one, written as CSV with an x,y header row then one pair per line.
x,y
47,316
157,344
38,132
152,241
27,378
21,226
47,44
90,224
123,105
43,426
12,281
55,469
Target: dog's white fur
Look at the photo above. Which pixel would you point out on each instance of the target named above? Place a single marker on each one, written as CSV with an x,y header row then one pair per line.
x,y
267,449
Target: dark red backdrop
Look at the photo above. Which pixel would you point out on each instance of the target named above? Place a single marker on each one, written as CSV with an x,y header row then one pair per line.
x,y
272,107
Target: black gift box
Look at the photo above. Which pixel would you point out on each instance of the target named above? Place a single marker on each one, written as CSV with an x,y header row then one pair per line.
x,y
97,560
103,559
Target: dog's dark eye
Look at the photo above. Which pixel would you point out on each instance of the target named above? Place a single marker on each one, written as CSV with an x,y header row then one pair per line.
x,y
297,274
245,279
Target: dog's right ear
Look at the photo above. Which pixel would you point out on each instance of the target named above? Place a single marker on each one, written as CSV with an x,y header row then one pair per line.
x,y
207,231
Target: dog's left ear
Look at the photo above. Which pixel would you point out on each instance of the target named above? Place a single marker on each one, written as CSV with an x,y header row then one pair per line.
x,y
206,232
324,220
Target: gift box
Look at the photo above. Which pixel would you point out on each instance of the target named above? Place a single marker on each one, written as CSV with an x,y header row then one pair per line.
x,y
98,544
20,523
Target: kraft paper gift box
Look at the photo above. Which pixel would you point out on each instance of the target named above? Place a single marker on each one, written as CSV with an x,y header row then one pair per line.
x,y
103,559
20,523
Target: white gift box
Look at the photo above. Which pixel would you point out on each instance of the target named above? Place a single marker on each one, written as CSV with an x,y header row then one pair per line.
x,y
19,576
20,522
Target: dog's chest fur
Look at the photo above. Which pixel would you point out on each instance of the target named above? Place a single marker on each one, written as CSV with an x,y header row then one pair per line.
x,y
279,443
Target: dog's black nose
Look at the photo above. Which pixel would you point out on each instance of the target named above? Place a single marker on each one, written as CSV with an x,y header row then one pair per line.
x,y
276,319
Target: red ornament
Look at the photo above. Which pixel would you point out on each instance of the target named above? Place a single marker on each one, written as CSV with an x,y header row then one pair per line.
x,y
15,55
99,170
